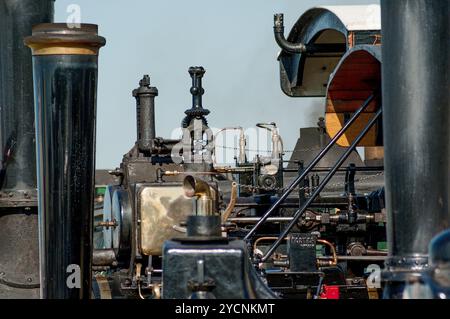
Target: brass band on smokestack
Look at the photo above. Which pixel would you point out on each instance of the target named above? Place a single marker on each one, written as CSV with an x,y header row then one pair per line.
x,y
65,68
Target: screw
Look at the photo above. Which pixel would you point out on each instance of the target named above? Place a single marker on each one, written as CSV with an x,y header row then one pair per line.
x,y
29,279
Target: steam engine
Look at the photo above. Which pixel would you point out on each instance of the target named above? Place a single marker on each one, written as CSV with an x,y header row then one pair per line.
x,y
318,222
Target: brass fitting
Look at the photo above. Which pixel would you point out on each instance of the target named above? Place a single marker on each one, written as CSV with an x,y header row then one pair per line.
x,y
202,192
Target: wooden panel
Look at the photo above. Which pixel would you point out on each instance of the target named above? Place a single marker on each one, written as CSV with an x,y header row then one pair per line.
x,y
349,94
349,106
374,153
355,83
355,80
336,121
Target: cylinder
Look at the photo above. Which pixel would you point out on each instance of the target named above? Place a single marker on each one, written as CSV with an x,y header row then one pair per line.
x,y
104,257
65,63
145,114
18,162
416,105
19,255
203,226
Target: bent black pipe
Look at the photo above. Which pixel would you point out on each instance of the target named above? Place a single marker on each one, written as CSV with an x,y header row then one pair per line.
x,y
283,43
65,63
416,99
278,29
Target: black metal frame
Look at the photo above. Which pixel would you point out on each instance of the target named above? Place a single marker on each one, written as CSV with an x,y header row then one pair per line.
x,y
305,172
322,185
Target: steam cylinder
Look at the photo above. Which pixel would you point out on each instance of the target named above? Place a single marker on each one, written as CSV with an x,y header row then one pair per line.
x,y
65,64
416,106
19,256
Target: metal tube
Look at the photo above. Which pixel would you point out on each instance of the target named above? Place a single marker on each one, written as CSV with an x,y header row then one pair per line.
x,y
65,84
327,169
233,198
254,220
104,257
196,187
334,261
145,114
316,160
416,98
319,189
204,202
18,167
356,258
19,249
290,47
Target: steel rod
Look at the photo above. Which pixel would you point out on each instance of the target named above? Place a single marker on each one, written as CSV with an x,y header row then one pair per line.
x,y
319,156
327,169
319,189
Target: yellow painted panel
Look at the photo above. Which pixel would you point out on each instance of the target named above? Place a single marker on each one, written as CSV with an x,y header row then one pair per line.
x,y
336,121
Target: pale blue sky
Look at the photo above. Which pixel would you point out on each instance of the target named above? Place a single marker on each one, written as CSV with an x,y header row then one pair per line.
x,y
232,39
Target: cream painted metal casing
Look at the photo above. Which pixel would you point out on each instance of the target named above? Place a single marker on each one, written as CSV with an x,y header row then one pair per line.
x,y
161,207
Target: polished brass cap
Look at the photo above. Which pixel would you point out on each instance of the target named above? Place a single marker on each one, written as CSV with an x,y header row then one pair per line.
x,y
60,39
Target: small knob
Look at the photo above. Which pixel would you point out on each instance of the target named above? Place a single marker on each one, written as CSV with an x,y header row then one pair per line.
x,y
278,20
196,71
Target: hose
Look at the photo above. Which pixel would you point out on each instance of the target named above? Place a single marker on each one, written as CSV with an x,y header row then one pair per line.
x,y
231,204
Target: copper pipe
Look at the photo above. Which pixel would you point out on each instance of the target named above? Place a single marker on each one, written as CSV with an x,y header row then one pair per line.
x,y
138,280
231,204
321,263
205,196
255,245
156,291
333,262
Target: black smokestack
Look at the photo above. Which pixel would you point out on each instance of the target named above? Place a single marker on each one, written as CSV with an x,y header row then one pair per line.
x,y
65,83
145,114
416,102
19,260
16,91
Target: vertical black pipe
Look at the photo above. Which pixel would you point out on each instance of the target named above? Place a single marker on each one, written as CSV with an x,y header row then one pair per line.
x,y
65,84
416,86
19,254
18,168
145,114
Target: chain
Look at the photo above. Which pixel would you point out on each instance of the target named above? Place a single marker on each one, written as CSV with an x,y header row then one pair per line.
x,y
267,151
